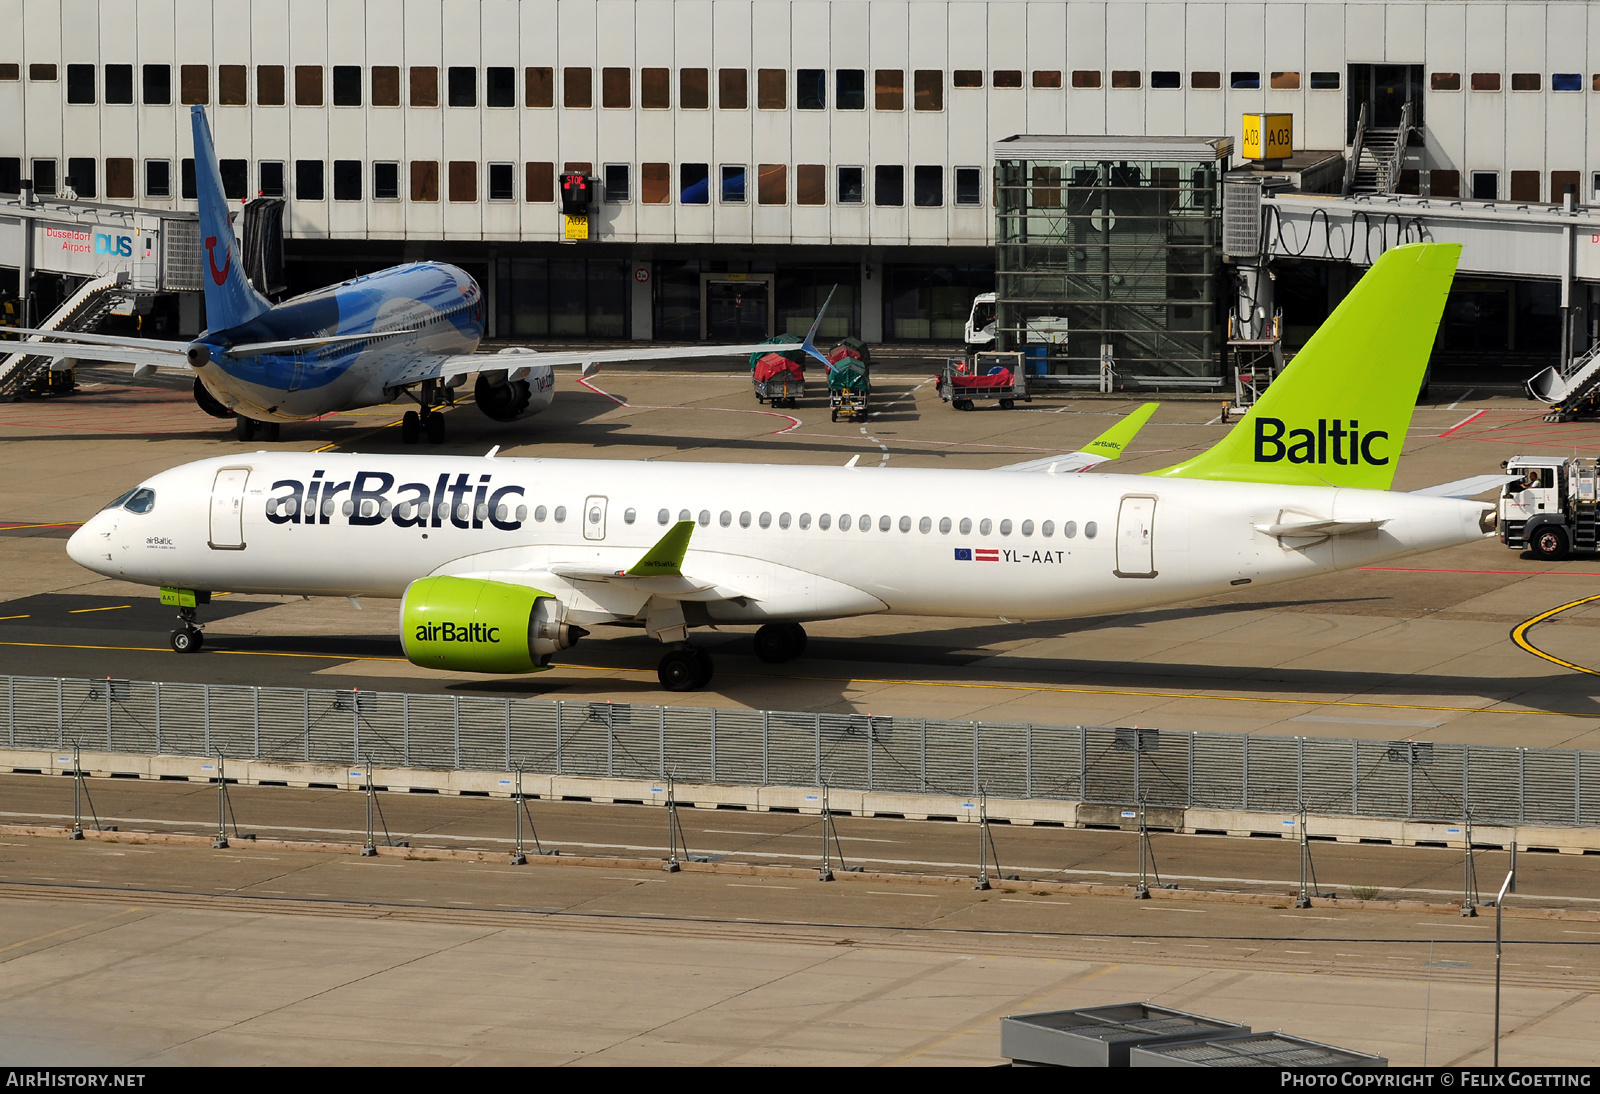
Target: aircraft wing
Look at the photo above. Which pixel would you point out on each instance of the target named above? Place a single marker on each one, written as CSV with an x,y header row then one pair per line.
x,y
438,366
1107,446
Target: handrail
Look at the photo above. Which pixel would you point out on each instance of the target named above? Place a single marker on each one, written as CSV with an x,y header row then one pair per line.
x,y
1354,159
1397,155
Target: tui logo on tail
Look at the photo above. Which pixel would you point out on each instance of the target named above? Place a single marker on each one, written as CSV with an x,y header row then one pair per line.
x,y
218,277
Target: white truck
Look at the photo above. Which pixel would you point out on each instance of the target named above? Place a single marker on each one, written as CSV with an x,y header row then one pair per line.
x,y
1549,508
980,324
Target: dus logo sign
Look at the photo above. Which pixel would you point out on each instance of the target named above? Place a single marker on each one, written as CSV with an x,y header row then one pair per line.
x,y
1346,445
113,245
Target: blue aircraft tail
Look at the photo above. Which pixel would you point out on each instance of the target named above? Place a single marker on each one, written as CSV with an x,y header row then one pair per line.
x,y
230,298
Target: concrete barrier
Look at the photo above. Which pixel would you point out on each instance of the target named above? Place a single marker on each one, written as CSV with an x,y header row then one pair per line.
x,y
806,800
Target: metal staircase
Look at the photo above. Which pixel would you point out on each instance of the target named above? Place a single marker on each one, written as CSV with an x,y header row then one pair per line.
x,y
1572,392
82,312
1376,155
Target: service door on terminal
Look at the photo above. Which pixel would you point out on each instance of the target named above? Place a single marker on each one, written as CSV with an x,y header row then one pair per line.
x,y
736,308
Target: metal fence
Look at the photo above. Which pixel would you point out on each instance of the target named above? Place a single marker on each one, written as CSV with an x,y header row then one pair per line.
x,y
1094,764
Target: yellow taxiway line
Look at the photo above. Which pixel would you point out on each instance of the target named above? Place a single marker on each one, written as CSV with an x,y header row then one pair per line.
x,y
1519,635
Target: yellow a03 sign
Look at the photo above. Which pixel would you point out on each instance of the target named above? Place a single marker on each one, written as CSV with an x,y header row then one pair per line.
x,y
1268,136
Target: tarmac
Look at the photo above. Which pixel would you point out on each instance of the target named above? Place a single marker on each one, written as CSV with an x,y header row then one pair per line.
x,y
149,952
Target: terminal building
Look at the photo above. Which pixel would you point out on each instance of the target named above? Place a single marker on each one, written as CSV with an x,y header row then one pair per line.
x,y
748,155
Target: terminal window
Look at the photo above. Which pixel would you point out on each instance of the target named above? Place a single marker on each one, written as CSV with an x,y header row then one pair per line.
x,y
577,88
44,177
850,89
424,180
1325,81
1084,77
500,87
119,177
186,186
888,184
772,184
927,185
119,84
694,184
967,77
1566,81
9,72
928,89
347,180
1485,185
655,88
386,181
424,86
461,85
1007,77
1596,189
969,186
1559,181
270,172
157,179
616,88
655,183
1444,184
694,88
231,89
386,85
346,85
1486,81
539,88
1051,78
1524,186
1285,81
1205,81
1525,81
540,181
80,84
463,180
889,89
269,85
1125,78
733,184
1444,81
810,184
772,89
10,175
811,89
194,85
618,179
1244,81
733,91
235,178
308,181
852,185
1165,78
307,85
81,176
41,72
503,182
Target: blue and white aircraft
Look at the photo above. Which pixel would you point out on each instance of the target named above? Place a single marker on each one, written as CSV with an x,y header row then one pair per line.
x,y
409,331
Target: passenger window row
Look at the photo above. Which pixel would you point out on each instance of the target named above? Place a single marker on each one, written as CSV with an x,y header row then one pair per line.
x,y
884,523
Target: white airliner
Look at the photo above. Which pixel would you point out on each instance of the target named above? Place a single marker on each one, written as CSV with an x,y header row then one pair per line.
x,y
409,331
501,563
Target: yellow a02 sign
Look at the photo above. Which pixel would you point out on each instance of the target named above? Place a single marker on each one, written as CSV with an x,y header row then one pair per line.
x,y
577,227
1268,136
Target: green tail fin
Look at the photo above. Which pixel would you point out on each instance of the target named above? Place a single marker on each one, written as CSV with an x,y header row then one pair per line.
x,y
1111,443
666,557
1338,414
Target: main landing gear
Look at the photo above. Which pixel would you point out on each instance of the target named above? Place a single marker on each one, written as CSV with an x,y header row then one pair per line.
x,y
689,668
188,638
248,429
429,424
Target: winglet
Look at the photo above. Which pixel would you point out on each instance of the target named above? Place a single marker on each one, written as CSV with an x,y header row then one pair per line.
x,y
1110,444
666,557
810,346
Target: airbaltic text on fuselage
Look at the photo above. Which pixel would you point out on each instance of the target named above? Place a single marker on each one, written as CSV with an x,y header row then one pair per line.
x,y
1345,445
371,498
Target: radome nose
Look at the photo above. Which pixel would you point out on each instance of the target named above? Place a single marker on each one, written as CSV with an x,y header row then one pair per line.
x,y
88,546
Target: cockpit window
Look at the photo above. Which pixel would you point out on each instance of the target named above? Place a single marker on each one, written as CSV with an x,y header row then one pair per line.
x,y
140,501
116,503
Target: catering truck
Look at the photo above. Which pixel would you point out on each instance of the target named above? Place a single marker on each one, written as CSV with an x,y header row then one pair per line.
x,y
1549,508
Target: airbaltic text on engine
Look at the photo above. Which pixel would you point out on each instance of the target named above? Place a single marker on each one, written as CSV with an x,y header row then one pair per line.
x,y
410,505
452,632
1304,446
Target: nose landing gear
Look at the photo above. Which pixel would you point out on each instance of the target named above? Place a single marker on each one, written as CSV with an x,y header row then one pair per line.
x,y
188,637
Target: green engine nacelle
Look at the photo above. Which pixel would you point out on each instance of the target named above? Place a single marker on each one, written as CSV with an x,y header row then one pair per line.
x,y
472,625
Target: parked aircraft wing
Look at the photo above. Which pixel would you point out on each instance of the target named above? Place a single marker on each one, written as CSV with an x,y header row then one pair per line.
x,y
1107,446
1466,488
144,361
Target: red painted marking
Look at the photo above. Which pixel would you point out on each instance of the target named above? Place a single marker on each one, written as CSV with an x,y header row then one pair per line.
x,y
1519,573
1462,422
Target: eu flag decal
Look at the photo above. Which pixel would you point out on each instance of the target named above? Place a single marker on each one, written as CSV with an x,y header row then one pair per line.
x,y
963,554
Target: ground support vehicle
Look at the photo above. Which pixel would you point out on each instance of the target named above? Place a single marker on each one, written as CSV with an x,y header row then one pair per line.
x,y
988,377
849,389
778,380
1549,508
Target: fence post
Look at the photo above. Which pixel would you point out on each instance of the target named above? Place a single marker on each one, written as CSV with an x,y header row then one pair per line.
x,y
306,717
1188,793
1522,786
1083,763
455,718
1355,777
922,757
975,762
158,716
207,707
611,741
508,764
61,714
661,727
405,728
1244,773
109,745
1027,768
355,724
713,744
766,747
816,722
872,746
1411,778
1577,787
256,725
1138,797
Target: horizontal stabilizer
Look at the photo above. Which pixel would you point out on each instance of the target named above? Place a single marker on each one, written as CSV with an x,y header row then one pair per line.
x,y
151,344
1469,487
144,359
1108,446
295,345
1311,526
